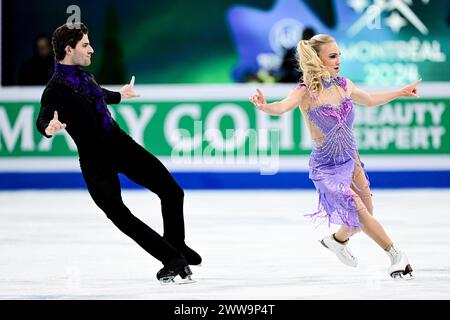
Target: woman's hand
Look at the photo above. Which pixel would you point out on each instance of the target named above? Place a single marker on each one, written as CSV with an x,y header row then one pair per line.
x,y
258,100
277,108
411,90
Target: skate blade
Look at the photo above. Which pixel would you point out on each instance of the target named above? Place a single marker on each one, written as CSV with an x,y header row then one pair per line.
x,y
403,274
167,280
400,275
183,278
186,272
176,281
187,280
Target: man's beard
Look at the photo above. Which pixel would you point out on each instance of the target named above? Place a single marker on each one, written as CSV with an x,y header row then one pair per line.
x,y
83,62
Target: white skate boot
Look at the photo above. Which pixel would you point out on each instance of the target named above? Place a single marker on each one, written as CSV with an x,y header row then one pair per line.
x,y
400,267
343,253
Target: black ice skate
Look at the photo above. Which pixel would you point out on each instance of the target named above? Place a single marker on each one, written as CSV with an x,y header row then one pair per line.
x,y
179,267
192,257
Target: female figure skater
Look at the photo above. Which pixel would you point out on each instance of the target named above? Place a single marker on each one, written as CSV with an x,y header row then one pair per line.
x,y
325,100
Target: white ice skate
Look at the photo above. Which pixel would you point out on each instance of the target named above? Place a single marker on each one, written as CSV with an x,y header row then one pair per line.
x,y
400,267
343,253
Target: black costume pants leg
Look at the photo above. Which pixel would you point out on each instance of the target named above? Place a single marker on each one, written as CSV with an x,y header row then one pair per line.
x,y
145,169
104,187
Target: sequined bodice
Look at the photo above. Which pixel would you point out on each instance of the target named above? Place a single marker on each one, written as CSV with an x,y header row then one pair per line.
x,y
327,117
336,142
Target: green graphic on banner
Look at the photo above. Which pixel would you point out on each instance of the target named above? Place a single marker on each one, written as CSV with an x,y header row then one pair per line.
x,y
214,128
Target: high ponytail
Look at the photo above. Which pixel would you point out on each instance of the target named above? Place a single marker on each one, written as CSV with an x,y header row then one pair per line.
x,y
310,63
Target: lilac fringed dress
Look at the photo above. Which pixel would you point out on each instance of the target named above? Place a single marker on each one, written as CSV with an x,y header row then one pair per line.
x,y
334,159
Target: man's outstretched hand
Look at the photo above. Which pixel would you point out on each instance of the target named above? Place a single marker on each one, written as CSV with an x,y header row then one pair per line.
x,y
127,91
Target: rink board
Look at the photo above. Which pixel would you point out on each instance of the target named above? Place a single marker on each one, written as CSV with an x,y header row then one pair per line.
x,y
211,137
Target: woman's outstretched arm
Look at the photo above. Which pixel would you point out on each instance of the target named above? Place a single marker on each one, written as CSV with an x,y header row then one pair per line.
x,y
277,108
379,98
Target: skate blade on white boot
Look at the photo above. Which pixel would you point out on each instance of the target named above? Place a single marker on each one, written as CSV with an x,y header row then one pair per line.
x,y
340,250
400,267
405,274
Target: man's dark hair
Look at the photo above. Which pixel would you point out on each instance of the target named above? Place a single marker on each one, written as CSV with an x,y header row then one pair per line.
x,y
65,36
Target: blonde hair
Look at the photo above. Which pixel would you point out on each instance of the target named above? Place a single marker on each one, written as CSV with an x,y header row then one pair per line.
x,y
310,63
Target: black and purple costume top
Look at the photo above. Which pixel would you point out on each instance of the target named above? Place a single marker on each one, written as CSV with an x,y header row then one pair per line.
x,y
82,105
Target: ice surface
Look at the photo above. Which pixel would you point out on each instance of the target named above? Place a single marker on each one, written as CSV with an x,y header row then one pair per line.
x,y
255,245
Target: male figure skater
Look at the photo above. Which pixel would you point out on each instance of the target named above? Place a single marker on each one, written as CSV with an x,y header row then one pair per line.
x,y
72,100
